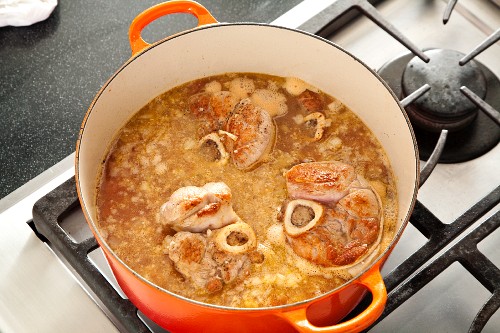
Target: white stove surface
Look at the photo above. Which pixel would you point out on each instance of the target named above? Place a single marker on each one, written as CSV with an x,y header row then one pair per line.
x,y
38,293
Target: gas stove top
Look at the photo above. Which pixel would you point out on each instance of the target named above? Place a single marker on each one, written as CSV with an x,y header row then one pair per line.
x,y
443,275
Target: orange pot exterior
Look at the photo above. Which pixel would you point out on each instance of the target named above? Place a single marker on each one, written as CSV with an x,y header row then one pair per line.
x,y
178,314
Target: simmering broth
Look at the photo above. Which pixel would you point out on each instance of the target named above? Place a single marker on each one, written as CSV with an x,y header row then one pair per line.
x,y
180,142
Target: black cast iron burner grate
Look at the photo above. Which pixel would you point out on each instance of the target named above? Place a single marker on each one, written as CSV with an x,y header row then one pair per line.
x,y
465,252
47,214
50,209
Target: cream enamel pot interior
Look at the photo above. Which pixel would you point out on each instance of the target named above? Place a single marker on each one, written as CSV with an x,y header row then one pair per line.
x,y
214,48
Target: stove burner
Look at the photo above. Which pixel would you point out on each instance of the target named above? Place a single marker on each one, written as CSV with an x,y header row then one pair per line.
x,y
463,144
444,106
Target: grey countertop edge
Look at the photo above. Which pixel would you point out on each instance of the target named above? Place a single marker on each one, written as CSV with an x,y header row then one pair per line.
x,y
34,184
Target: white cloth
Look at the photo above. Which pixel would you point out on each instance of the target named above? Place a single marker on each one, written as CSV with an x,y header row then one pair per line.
x,y
25,12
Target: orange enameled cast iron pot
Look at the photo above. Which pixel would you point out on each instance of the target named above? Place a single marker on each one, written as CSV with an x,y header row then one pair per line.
x,y
216,48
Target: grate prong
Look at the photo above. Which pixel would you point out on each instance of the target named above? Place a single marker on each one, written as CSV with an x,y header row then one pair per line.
x,y
485,107
492,39
448,10
434,158
375,16
321,23
415,95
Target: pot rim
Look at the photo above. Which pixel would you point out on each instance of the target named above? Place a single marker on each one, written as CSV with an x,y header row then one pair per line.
x,y
374,261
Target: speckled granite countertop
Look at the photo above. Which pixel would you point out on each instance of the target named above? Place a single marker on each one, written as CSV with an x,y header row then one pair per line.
x,y
51,71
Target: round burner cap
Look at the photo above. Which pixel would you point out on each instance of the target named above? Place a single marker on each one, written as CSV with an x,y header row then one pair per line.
x,y
444,103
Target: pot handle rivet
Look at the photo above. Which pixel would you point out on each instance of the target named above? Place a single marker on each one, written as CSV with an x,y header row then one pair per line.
x,y
137,44
373,281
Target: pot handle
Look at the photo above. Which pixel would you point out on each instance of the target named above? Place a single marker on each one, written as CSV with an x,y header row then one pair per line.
x,y
137,44
375,284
